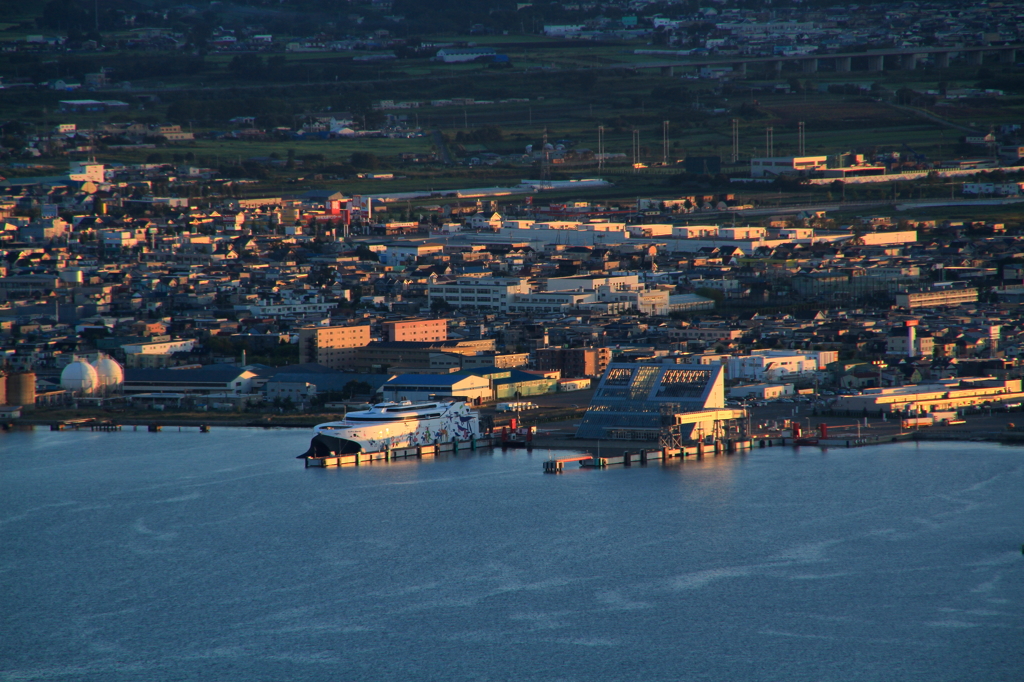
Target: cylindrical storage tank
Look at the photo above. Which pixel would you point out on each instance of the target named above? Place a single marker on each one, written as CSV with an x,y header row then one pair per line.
x,y
109,373
3,389
80,377
21,389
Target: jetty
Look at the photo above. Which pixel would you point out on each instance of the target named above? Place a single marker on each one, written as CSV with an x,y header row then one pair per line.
x,y
645,455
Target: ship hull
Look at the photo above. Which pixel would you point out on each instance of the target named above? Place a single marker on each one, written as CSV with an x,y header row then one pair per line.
x,y
450,422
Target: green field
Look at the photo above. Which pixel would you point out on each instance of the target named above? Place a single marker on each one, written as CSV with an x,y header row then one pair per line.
x,y
573,89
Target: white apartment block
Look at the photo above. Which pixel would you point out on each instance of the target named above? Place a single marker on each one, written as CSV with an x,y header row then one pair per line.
x,y
264,309
651,302
549,301
785,165
159,347
482,293
695,231
773,365
936,297
705,334
399,253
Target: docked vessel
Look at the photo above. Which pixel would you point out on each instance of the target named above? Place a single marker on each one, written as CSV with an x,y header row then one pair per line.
x,y
387,426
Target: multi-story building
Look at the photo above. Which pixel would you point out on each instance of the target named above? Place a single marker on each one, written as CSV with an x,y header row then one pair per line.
x,y
706,334
416,329
774,365
909,341
414,356
939,295
573,362
483,293
785,165
641,401
948,394
549,301
333,347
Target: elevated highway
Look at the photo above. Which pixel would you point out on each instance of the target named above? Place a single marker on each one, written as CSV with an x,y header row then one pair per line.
x,y
906,59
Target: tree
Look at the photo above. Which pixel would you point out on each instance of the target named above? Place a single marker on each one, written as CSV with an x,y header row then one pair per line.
x,y
707,292
363,252
365,160
248,66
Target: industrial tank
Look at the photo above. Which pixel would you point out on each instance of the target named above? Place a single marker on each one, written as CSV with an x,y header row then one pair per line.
x,y
80,378
21,389
109,374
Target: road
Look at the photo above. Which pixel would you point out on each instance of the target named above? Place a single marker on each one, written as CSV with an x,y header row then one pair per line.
x,y
934,119
442,148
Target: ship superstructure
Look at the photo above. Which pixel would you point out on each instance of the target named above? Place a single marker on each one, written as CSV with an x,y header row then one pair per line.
x,y
386,426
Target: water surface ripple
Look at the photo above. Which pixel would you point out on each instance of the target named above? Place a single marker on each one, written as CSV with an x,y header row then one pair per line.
x,y
136,556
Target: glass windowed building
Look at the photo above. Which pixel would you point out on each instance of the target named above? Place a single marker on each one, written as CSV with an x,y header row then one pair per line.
x,y
636,401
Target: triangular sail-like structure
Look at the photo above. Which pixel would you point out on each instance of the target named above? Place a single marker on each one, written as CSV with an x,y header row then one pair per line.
x,y
639,401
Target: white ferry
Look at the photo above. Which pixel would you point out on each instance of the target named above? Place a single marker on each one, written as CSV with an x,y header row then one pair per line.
x,y
387,426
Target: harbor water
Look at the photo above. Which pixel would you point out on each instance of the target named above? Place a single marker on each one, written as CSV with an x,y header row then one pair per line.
x,y
136,556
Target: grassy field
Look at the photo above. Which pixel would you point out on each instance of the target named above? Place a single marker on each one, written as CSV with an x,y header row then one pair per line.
x,y
217,152
570,92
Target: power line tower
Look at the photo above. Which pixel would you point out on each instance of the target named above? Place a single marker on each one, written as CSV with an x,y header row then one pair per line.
x,y
800,139
636,147
769,141
735,140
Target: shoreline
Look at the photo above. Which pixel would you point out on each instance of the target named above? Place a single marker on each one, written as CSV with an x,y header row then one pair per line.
x,y
551,441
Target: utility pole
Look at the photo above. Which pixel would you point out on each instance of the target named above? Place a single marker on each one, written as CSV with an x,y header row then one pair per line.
x,y
769,141
800,139
735,140
545,170
600,147
664,142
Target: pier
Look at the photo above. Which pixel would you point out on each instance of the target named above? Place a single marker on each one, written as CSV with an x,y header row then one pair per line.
x,y
643,456
90,423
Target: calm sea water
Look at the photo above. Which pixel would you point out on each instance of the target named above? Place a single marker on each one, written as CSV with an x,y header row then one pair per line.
x,y
185,556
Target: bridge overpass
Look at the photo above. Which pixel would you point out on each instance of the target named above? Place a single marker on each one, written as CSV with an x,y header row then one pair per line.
x,y
844,62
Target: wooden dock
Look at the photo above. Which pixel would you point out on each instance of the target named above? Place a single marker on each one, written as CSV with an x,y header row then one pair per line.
x,y
642,457
91,423
71,424
418,452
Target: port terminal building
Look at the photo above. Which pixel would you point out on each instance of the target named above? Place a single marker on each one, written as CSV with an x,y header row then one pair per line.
x,y
645,401
950,394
